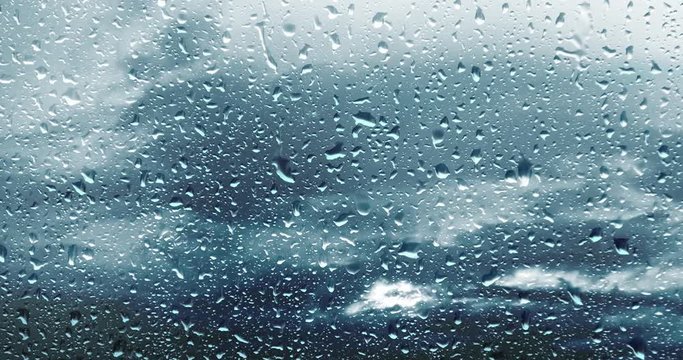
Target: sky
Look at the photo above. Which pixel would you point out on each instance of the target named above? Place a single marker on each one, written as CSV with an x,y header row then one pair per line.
x,y
303,179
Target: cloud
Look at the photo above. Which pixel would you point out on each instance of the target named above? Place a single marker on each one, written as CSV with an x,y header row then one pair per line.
x,y
400,295
463,207
469,207
654,279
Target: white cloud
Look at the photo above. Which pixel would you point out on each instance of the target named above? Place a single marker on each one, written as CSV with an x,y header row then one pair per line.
x,y
383,295
466,208
623,203
536,278
470,207
640,280
651,280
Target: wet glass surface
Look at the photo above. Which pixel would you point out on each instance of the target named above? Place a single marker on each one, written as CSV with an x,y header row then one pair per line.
x,y
328,179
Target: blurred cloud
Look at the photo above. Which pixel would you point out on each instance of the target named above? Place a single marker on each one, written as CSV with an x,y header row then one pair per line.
x,y
383,295
654,279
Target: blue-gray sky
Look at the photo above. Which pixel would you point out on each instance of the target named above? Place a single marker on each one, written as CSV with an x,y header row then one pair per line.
x,y
288,179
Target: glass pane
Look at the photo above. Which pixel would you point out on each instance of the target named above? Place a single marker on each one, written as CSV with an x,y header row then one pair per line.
x,y
215,179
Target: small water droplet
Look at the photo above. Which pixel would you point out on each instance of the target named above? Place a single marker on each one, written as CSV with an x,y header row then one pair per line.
x,y
227,37
442,171
479,16
289,29
283,169
71,97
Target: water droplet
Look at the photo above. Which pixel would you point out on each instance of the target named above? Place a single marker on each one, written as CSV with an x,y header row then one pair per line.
x,y
378,20
524,172
638,346
71,97
479,16
559,22
289,29
227,37
335,152
621,246
476,73
283,169
595,235
442,171
364,119
383,47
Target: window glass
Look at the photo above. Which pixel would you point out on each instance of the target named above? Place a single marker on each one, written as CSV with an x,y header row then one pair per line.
x,y
293,179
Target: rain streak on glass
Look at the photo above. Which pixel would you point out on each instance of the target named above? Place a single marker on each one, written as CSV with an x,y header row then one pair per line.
x,y
232,179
